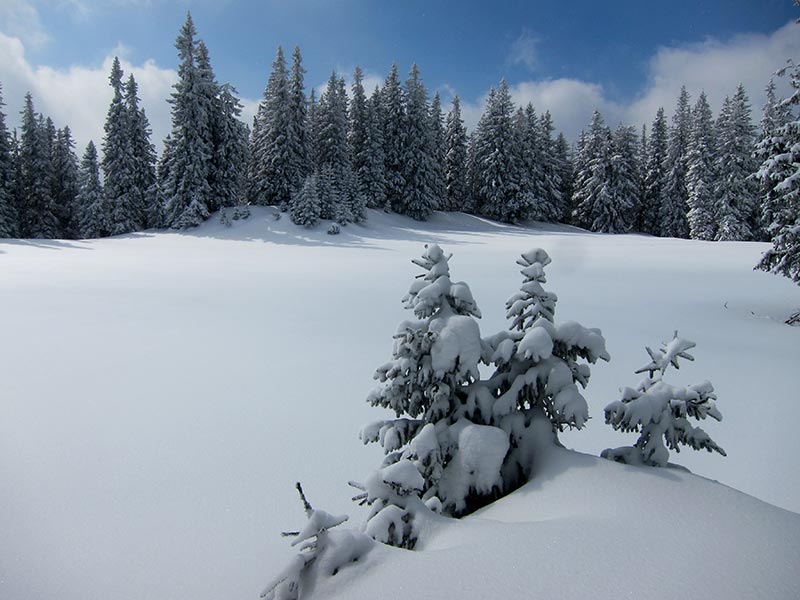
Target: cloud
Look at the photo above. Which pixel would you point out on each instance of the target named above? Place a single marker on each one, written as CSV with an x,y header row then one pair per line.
x,y
20,18
523,51
79,95
717,68
714,66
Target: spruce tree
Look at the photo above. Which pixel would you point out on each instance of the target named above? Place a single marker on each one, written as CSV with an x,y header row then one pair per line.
x,y
146,209
118,164
37,218
438,150
563,159
372,177
655,176
358,131
274,163
641,159
700,178
65,184
297,134
780,168
305,209
735,190
661,411
426,384
231,150
598,207
9,226
620,213
343,203
528,148
498,171
771,144
455,161
533,392
94,213
551,202
674,195
394,139
419,174
186,192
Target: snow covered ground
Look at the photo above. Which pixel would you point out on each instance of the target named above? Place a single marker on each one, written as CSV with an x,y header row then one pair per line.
x,y
162,392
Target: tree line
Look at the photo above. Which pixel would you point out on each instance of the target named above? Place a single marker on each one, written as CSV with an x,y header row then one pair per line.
x,y
394,148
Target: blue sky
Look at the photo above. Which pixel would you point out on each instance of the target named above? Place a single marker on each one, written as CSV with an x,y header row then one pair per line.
x,y
624,56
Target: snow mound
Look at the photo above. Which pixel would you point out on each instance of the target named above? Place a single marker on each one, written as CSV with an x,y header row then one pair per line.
x,y
584,528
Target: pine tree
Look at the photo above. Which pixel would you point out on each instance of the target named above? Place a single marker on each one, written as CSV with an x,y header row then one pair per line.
x,y
146,210
37,218
305,208
528,150
9,226
186,192
602,195
297,134
438,150
358,131
65,184
275,160
700,178
231,150
456,192
434,362
372,177
624,180
498,171
394,139
94,212
655,176
771,144
419,196
661,411
673,208
118,165
641,160
334,158
533,392
780,169
551,204
735,191
563,160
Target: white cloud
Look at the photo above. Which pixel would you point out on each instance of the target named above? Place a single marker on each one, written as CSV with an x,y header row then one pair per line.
x,y
712,66
523,51
79,96
716,68
20,18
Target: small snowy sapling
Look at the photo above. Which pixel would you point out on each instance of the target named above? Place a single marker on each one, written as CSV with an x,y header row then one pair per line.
x,y
322,554
661,411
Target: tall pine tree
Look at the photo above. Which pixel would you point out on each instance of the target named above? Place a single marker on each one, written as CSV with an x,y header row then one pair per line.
x,y
8,209
674,195
455,161
700,177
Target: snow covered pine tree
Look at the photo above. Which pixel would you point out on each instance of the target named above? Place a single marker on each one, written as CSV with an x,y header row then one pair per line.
x,y
533,393
661,411
435,456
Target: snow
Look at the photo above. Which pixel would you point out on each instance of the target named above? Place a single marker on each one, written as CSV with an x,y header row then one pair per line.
x,y
163,392
589,528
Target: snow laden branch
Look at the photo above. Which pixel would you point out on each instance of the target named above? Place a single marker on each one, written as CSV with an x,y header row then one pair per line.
x,y
457,441
660,412
321,553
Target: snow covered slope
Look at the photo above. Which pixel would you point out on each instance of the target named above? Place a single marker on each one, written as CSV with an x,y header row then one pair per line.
x,y
589,528
162,392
